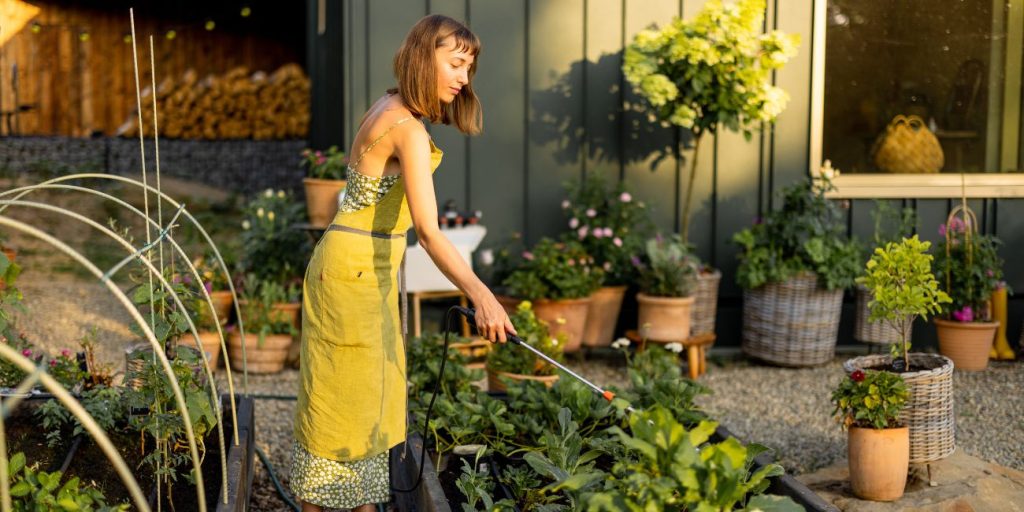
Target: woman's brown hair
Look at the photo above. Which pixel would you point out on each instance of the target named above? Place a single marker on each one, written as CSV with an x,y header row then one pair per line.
x,y
416,71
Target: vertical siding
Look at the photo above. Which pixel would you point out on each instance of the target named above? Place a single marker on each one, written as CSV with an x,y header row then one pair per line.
x,y
451,179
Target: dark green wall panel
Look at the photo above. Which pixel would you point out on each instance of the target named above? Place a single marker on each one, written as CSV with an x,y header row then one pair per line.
x,y
450,179
602,144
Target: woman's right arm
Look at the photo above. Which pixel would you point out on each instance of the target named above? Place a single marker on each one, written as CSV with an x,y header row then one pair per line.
x,y
412,146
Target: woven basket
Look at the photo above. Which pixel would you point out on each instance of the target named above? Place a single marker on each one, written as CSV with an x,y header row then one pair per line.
x,y
908,147
136,356
873,332
793,323
705,305
929,412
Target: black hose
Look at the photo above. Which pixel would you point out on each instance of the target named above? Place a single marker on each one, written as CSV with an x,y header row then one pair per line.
x,y
277,483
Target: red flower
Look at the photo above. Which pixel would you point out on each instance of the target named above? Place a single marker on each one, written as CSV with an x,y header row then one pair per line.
x,y
857,375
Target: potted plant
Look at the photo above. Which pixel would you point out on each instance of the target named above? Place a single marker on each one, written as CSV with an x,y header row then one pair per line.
x,y
891,225
269,331
667,280
679,71
794,265
324,183
216,284
559,278
970,269
899,277
506,361
868,404
611,227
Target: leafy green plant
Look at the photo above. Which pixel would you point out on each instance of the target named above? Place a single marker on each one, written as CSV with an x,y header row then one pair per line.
x,y
103,403
563,460
66,369
10,374
271,248
257,307
477,485
871,399
157,304
806,235
555,270
899,277
714,70
669,269
507,357
968,266
34,490
609,224
324,165
10,296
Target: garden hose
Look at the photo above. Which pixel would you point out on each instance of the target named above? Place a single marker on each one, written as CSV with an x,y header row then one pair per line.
x,y
277,483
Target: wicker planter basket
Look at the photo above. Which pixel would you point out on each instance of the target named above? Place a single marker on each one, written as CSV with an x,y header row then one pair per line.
x,y
793,323
705,305
873,332
929,412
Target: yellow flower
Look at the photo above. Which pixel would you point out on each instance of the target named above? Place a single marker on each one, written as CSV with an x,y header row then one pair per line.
x,y
259,213
270,216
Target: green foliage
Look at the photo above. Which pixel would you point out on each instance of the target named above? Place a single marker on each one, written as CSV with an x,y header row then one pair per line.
x,y
899,277
669,269
10,296
714,69
609,223
66,369
157,305
271,248
329,165
33,490
806,235
10,374
892,225
656,380
555,270
257,307
969,269
103,403
871,399
511,358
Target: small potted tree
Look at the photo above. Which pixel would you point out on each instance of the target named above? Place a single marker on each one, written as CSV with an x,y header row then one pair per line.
x,y
506,362
558,278
324,183
667,280
891,225
611,226
269,331
869,404
899,277
970,269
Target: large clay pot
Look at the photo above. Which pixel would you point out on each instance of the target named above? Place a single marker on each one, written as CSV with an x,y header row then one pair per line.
x,y
322,199
602,314
222,302
879,460
563,316
664,319
494,383
966,343
266,357
211,345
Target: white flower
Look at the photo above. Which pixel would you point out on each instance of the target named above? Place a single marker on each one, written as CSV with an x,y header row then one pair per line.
x,y
268,193
487,257
565,204
246,225
608,232
621,343
259,212
591,212
674,347
574,223
270,216
554,342
625,197
280,194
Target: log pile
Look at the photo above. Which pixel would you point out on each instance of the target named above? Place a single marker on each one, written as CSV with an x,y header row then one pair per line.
x,y
236,105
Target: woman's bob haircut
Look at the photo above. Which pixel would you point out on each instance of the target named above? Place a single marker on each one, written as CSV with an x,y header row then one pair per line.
x,y
416,71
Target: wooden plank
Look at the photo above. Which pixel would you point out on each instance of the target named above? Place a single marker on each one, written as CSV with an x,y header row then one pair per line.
x,y
450,179
555,110
496,159
603,83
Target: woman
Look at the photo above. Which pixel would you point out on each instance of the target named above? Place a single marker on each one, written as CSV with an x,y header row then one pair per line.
x,y
352,391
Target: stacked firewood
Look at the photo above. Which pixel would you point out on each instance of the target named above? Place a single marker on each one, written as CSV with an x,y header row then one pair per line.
x,y
236,105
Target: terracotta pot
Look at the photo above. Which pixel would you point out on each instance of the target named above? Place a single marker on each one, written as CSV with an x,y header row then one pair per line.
x,y
495,384
602,314
211,345
268,357
966,343
222,302
564,316
509,303
664,319
879,461
10,252
322,199
286,312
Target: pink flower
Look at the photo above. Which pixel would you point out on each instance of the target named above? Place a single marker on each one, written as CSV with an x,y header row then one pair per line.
x,y
942,230
598,232
617,241
566,204
625,197
582,232
607,266
26,353
320,161
319,154
591,212
65,353
989,273
53,362
572,262
608,232
964,315
209,286
574,223
527,255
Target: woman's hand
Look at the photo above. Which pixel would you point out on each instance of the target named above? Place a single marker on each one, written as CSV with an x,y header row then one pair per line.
x,y
491,320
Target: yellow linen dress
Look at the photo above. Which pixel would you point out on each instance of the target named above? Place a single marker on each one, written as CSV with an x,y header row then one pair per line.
x,y
352,390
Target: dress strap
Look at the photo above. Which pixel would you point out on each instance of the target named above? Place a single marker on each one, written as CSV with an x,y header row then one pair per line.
x,y
377,140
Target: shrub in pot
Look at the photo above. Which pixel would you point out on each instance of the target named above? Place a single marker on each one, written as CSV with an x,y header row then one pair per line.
x,y
508,361
271,249
899,277
667,276
269,332
794,265
969,268
559,278
324,183
611,226
869,405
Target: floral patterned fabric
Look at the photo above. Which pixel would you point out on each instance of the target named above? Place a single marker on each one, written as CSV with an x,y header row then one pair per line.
x,y
334,484
362,190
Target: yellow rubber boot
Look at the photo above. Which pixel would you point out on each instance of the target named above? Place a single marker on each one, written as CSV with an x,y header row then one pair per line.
x,y
1001,348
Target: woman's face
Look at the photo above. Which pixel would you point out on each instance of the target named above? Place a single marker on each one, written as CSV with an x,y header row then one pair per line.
x,y
452,69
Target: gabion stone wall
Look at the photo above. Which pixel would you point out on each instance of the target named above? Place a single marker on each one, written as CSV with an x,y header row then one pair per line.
x,y
241,166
